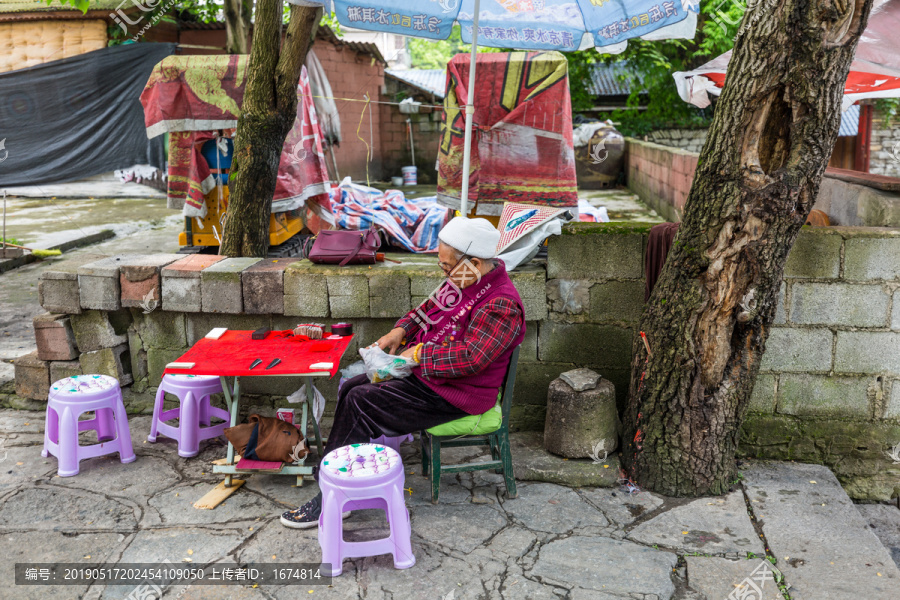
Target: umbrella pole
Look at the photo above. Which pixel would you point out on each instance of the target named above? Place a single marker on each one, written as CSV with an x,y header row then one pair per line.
x,y
470,110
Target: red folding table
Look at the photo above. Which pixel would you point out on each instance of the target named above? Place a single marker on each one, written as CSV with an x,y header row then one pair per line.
x,y
231,356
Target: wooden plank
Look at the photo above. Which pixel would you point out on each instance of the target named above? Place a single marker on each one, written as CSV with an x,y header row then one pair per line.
x,y
224,461
218,494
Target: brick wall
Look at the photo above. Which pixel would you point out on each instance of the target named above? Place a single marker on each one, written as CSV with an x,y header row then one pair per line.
x,y
828,391
660,175
426,128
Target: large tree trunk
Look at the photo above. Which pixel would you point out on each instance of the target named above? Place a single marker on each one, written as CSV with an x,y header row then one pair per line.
x,y
267,115
757,178
237,20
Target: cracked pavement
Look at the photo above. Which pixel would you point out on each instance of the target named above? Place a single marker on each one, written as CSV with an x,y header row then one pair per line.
x,y
552,542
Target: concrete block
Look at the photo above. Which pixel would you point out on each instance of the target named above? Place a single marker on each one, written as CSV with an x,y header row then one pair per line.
x,y
867,352
585,344
816,253
892,411
791,349
781,309
98,282
64,368
596,251
822,395
389,295
263,285
162,330
115,362
96,329
528,350
531,283
181,282
305,294
348,295
157,359
54,336
220,285
138,355
895,319
139,280
867,258
762,400
32,376
58,288
533,380
617,301
569,296
424,284
855,305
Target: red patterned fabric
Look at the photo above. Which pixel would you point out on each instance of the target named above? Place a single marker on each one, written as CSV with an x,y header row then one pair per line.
x,y
522,148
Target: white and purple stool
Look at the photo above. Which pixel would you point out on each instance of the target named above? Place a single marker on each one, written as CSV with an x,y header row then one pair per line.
x,y
362,476
193,392
71,397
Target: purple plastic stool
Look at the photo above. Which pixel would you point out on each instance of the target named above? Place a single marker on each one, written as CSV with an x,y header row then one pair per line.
x,y
71,397
393,442
356,477
193,392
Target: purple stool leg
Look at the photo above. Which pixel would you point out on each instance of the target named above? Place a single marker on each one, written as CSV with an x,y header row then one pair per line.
x,y
126,451
331,531
104,424
157,409
68,443
400,529
189,426
204,410
51,430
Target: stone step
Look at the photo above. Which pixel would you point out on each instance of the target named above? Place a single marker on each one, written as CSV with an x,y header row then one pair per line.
x,y
823,546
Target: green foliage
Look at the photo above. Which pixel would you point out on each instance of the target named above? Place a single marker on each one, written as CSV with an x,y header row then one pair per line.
x,y
330,20
435,54
888,109
81,5
11,241
651,64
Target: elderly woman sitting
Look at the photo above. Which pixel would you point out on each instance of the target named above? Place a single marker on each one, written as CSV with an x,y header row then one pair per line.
x,y
461,340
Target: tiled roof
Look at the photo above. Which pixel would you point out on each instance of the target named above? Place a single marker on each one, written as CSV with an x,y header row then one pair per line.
x,y
17,6
606,80
850,122
432,81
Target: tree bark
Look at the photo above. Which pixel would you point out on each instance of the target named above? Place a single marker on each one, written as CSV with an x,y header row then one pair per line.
x,y
268,112
757,178
237,19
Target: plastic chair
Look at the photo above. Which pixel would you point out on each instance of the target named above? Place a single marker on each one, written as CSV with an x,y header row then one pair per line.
x,y
193,392
71,397
498,441
362,476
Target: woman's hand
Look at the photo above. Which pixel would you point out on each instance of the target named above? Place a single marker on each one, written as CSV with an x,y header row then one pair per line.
x,y
408,353
392,340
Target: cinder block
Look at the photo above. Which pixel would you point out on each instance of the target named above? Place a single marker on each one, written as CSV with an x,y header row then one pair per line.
x,y
348,295
856,305
305,294
816,253
822,395
157,359
892,411
867,352
596,251
62,369
569,296
424,284
32,376
585,344
98,282
617,301
54,336
895,320
762,400
867,258
528,351
138,355
96,329
531,283
263,285
162,330
781,308
181,282
58,288
389,295
139,280
115,362
220,285
792,349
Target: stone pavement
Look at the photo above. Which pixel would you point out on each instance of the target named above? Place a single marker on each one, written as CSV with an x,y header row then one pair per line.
x,y
552,542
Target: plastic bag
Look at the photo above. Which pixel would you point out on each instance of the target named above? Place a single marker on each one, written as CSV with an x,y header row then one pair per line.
x,y
357,368
381,366
318,407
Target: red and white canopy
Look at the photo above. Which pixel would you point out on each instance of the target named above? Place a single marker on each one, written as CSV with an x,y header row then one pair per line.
x,y
874,73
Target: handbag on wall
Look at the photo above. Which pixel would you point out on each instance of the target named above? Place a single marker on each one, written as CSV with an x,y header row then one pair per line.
x,y
344,247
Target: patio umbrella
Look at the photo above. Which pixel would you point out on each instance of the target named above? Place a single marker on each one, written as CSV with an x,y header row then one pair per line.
x,y
874,73
565,25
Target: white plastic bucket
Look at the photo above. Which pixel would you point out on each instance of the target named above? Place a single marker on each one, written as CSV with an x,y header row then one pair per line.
x,y
396,181
409,175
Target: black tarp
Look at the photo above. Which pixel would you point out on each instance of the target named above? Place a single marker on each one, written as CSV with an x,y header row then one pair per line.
x,y
79,116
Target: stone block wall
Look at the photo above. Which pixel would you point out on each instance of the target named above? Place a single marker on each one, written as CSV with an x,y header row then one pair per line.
x,y
828,390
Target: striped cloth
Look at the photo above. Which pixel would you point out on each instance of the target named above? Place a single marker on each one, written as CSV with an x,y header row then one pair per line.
x,y
412,223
